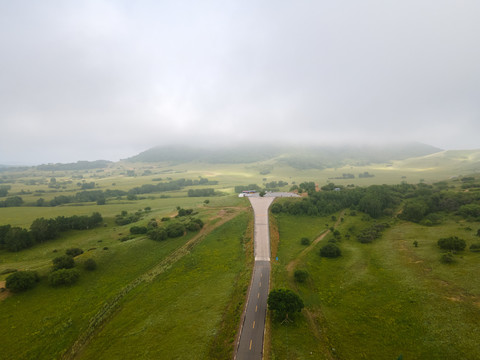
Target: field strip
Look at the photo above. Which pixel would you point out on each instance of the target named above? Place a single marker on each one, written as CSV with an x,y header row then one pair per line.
x,y
293,264
108,310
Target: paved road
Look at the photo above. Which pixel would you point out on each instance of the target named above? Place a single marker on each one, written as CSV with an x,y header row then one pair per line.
x,y
250,345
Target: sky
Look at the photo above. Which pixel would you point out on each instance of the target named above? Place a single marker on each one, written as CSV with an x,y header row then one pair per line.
x,y
87,80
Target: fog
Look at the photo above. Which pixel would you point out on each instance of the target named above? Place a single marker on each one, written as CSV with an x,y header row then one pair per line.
x,y
107,79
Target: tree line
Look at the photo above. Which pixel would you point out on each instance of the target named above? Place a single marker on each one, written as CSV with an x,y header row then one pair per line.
x,y
420,203
13,238
100,196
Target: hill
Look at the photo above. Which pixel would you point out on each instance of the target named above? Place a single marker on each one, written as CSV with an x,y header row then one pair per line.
x,y
299,157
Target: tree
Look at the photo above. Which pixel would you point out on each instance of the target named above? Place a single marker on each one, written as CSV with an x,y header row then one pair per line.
x,y
330,250
158,234
21,280
43,230
414,210
300,276
452,243
305,241
447,258
175,230
475,247
138,230
63,277
284,302
63,262
17,239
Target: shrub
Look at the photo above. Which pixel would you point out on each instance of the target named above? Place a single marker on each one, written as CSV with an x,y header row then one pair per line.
x,y
73,252
305,241
194,225
138,230
158,234
175,230
63,262
21,280
90,264
452,243
447,258
330,250
475,247
284,302
276,208
63,277
300,276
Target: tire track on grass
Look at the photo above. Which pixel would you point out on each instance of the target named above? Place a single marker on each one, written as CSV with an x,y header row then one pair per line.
x,y
107,312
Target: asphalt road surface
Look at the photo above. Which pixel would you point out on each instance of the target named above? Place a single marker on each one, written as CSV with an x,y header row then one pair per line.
x,y
250,345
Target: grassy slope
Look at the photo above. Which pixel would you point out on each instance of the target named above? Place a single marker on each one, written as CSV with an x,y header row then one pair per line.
x,y
383,299
32,322
178,315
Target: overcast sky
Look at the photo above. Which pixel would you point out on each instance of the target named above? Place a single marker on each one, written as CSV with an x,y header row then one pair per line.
x,y
86,80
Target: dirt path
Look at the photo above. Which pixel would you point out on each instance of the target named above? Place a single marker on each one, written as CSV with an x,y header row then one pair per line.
x,y
314,316
293,264
5,293
107,312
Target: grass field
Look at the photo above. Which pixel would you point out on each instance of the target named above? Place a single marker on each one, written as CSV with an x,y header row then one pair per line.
x,y
386,298
380,300
179,314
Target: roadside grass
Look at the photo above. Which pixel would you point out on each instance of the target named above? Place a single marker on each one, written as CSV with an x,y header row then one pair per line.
x,y
384,299
181,314
42,323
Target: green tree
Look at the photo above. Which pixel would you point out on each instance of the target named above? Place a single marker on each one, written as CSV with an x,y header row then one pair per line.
x,y
330,250
284,302
305,241
452,243
17,239
63,262
43,230
175,230
300,276
21,280
63,277
414,210
158,234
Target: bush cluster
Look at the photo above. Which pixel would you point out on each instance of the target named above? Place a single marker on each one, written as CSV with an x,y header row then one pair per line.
x,y
63,277
330,251
452,243
21,280
371,233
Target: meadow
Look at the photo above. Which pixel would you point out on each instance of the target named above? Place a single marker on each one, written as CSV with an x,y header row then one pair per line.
x,y
379,300
184,296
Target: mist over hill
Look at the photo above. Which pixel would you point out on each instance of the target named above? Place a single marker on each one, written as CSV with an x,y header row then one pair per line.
x,y
301,157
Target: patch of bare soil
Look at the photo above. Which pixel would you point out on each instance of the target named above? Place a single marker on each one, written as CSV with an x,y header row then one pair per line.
x,y
3,293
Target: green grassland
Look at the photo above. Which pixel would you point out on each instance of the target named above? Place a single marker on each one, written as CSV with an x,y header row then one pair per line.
x,y
380,300
383,298
179,314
